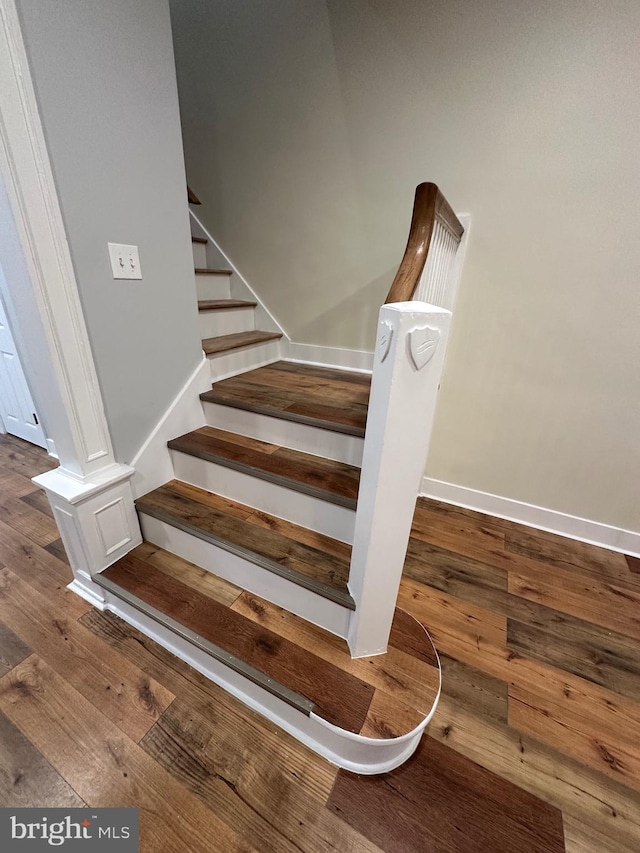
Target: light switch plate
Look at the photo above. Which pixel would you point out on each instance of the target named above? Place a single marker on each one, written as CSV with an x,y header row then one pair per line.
x,y
125,261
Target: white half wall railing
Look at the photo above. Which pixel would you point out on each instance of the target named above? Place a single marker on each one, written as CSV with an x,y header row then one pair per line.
x,y
413,328
434,285
407,366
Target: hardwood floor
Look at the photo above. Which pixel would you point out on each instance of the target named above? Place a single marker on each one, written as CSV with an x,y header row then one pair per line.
x,y
537,732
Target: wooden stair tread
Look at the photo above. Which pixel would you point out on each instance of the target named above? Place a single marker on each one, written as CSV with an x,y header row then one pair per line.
x,y
382,697
222,304
198,239
222,343
193,198
207,271
324,397
310,560
336,696
327,479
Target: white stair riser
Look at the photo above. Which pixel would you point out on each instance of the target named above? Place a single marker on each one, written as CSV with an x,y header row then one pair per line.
x,y
352,752
199,255
226,321
305,510
236,361
307,439
242,572
213,286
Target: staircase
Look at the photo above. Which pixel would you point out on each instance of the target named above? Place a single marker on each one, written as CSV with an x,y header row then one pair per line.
x,y
245,568
228,330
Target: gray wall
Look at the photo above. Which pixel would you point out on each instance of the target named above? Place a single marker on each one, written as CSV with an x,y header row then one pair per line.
x,y
307,126
105,80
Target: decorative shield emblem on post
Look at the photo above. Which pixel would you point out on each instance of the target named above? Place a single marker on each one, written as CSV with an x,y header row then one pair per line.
x,y
385,334
422,345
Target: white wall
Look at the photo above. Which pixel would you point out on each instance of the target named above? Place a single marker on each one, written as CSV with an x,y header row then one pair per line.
x,y
307,126
105,80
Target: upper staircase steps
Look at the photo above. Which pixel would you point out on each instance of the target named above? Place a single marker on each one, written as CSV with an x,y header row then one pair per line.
x,y
303,557
227,323
365,714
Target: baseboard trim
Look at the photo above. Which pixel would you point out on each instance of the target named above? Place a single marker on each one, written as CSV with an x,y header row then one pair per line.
x,y
348,359
540,518
89,591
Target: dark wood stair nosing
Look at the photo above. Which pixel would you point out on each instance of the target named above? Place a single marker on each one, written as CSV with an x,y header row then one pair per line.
x,y
282,414
239,340
269,476
202,240
208,304
311,584
206,271
296,700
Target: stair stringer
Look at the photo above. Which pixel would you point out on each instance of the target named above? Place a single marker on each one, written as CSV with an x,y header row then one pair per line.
x,y
240,287
153,463
359,754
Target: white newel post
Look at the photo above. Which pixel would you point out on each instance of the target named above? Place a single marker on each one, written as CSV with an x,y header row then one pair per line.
x,y
90,492
408,359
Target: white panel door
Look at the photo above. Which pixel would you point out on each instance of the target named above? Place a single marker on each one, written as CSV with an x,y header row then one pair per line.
x,y
16,406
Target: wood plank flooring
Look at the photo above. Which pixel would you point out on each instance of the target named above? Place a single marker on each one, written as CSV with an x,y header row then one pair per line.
x,y
539,712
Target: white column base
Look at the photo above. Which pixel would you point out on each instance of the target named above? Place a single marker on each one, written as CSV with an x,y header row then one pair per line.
x,y
96,518
88,590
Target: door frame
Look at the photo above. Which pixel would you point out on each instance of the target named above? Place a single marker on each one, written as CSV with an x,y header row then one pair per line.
x,y
33,432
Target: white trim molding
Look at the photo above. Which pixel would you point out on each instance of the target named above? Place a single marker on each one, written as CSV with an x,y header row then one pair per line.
x,y
34,201
540,518
90,493
153,463
360,361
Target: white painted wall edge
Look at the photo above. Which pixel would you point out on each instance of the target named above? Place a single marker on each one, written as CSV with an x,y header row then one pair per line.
x,y
540,518
235,269
81,430
153,463
348,359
